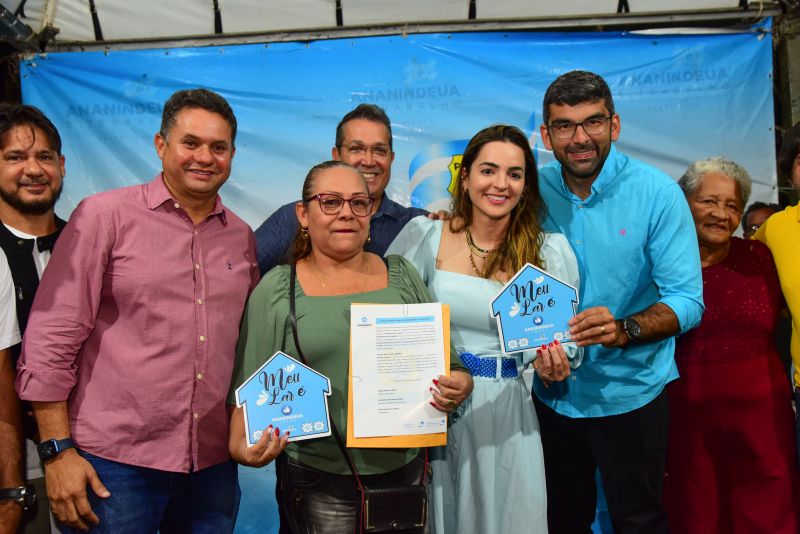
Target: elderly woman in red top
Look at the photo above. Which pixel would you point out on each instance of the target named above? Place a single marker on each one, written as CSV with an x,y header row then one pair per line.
x,y
731,466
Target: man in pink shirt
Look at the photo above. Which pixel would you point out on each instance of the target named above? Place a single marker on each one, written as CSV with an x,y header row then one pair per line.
x,y
129,347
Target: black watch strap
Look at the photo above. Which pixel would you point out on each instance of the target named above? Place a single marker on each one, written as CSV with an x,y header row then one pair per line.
x,y
24,495
51,448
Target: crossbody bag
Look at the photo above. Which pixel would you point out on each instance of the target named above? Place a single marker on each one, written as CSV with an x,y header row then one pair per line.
x,y
385,509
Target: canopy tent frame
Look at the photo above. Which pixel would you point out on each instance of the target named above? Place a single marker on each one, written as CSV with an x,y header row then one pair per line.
x,y
46,36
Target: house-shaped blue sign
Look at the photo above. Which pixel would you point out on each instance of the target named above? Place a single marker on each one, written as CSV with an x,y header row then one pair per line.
x,y
533,309
288,395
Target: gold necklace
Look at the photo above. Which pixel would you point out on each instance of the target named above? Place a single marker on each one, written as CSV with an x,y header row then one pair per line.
x,y
321,281
475,267
481,253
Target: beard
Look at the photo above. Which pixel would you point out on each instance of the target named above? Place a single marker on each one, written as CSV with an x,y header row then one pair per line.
x,y
31,207
585,171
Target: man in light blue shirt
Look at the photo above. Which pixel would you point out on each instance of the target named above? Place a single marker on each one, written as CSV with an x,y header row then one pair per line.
x,y
641,285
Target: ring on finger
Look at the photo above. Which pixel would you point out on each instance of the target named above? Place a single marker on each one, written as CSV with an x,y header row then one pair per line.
x,y
603,329
451,403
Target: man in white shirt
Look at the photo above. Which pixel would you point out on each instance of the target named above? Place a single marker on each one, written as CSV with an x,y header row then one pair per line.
x,y
31,178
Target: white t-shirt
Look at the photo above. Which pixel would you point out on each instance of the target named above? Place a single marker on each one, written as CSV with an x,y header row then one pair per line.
x,y
9,329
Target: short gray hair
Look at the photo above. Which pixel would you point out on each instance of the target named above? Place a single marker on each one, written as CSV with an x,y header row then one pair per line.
x,y
693,176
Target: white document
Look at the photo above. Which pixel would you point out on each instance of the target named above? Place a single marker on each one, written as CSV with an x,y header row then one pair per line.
x,y
396,352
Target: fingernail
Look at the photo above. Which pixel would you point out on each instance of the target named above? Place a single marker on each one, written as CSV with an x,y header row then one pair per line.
x,y
432,404
556,342
430,389
538,352
550,344
436,382
287,433
544,347
277,431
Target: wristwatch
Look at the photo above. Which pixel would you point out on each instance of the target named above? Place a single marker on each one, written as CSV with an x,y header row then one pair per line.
x,y
632,328
51,448
24,495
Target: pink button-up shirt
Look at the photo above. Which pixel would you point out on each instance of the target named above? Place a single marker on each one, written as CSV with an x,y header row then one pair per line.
x,y
135,324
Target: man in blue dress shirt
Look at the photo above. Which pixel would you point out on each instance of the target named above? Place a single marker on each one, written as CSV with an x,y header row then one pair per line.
x,y
364,140
641,285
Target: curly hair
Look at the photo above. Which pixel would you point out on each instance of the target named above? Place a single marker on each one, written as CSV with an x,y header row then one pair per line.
x,y
693,176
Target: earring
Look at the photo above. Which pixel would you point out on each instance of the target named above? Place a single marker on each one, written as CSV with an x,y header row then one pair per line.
x,y
304,233
369,238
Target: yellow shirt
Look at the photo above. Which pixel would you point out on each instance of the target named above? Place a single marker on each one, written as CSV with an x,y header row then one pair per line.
x,y
781,233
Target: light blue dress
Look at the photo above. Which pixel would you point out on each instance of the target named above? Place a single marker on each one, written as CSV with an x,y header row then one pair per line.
x,y
490,476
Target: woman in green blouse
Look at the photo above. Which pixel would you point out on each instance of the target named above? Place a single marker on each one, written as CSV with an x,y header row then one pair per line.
x,y
333,270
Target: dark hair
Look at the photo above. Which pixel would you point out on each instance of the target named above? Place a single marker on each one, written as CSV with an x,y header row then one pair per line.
x,y
755,206
524,239
788,152
369,112
12,115
301,246
196,98
577,87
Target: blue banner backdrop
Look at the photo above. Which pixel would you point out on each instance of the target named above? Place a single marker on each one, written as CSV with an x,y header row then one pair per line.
x,y
680,98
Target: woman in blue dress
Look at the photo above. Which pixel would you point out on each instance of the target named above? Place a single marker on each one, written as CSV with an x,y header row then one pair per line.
x,y
490,476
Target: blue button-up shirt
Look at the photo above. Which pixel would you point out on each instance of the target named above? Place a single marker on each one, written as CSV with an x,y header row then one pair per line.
x,y
275,235
636,245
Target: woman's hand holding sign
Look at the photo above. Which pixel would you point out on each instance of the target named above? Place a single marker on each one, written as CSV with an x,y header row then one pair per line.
x,y
267,448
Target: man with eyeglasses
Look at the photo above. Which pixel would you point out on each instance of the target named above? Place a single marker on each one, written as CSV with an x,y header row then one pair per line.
x,y
641,285
363,140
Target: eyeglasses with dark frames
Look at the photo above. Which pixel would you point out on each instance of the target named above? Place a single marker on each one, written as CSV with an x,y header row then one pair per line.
x,y
566,129
332,204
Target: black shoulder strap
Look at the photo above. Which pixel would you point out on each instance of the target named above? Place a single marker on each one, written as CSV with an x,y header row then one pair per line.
x,y
293,322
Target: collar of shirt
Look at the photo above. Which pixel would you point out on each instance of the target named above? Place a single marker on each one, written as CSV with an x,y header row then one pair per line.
x,y
36,244
389,208
156,194
608,174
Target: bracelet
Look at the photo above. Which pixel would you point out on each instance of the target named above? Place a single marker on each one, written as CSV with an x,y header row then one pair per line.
x,y
25,495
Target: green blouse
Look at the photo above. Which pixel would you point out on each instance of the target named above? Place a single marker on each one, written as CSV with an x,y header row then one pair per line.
x,y
323,325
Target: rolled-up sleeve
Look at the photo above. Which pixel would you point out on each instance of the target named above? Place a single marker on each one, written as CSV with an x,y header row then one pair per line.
x,y
65,306
675,256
